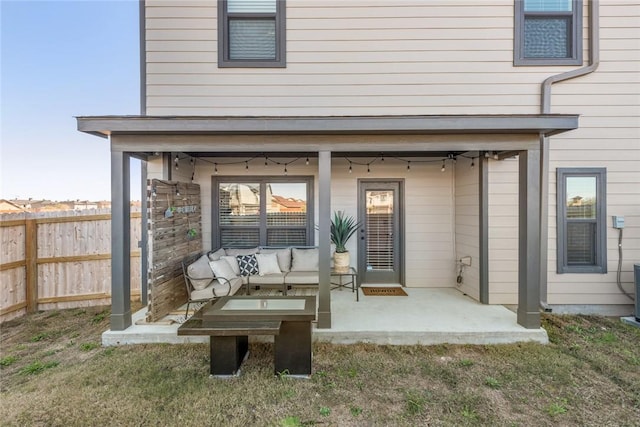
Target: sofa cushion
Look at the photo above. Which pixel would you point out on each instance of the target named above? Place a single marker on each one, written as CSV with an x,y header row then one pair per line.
x,y
304,259
214,256
221,268
233,262
267,279
284,257
267,264
200,273
236,252
301,278
222,288
248,265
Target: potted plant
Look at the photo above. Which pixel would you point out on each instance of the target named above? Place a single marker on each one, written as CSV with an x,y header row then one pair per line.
x,y
342,228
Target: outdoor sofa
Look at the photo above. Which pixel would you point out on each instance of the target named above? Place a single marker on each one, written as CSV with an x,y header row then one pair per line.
x,y
224,271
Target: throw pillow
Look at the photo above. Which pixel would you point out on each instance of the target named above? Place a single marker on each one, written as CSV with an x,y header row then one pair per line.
x,y
214,256
200,273
221,268
268,264
305,259
248,265
236,252
284,257
233,262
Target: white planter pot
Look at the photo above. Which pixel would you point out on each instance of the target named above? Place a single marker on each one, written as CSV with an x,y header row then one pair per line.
x,y
341,261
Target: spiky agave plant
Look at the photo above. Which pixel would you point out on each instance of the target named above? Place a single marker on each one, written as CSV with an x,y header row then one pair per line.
x,y
342,228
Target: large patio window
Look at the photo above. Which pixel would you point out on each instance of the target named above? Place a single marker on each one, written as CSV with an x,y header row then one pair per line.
x,y
262,211
582,245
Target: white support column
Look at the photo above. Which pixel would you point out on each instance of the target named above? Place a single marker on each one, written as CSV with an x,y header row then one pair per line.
x,y
324,244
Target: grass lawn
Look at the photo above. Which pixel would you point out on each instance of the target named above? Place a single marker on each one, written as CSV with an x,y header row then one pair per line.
x,y
55,373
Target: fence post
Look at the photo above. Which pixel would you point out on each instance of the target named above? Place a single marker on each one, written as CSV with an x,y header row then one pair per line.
x,y
31,264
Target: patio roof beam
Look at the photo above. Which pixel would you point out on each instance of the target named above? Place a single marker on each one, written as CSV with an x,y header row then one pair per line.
x,y
548,124
338,145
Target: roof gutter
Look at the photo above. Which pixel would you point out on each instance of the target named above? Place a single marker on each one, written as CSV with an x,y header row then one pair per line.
x,y
545,108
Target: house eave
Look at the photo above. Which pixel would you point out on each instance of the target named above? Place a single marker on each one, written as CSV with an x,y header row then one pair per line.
x,y
545,124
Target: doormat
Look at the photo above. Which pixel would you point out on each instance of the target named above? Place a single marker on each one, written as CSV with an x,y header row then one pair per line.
x,y
384,291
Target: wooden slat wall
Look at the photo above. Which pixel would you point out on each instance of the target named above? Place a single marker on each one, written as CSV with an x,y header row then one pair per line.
x,y
170,242
59,259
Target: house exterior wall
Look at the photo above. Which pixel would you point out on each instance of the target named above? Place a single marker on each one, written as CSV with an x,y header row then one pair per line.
x,y
414,57
346,58
467,224
428,206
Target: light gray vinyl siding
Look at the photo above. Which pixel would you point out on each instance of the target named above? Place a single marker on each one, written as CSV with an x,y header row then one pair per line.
x,y
467,224
346,58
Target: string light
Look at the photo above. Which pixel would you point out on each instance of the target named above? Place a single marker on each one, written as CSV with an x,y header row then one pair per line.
x,y
154,192
266,163
285,169
495,155
350,168
472,163
307,162
177,191
368,168
177,161
382,157
408,165
443,166
246,166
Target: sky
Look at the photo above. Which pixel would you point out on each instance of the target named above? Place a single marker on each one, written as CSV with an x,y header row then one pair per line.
x,y
59,60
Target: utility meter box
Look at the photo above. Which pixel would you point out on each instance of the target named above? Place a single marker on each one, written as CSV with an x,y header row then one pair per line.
x,y
618,222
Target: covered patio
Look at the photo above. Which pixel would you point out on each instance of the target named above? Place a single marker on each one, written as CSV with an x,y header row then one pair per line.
x,y
327,137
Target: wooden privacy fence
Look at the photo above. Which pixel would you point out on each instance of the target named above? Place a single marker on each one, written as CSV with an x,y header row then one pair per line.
x,y
59,259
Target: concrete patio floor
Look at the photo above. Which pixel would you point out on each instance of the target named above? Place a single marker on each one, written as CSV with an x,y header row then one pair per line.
x,y
425,316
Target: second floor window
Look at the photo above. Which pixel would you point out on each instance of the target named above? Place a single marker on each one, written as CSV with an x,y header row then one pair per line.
x,y
548,32
251,33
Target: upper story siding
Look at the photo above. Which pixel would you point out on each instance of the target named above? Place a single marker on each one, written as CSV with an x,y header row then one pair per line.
x,y
371,57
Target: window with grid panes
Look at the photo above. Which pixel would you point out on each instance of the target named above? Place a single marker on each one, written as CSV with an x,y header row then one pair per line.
x,y
251,33
581,209
262,211
548,32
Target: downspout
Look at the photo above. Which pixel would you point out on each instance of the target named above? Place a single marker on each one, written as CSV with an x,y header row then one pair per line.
x,y
545,107
144,231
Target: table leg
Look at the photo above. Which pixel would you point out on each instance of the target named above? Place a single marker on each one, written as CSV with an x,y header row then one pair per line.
x,y
227,354
355,283
293,348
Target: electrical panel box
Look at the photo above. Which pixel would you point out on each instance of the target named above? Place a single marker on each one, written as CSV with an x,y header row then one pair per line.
x,y
618,222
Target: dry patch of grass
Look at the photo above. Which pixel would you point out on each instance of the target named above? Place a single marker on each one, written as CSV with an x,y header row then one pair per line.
x,y
55,373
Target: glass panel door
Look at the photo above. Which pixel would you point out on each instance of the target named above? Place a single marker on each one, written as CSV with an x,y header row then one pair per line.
x,y
379,245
